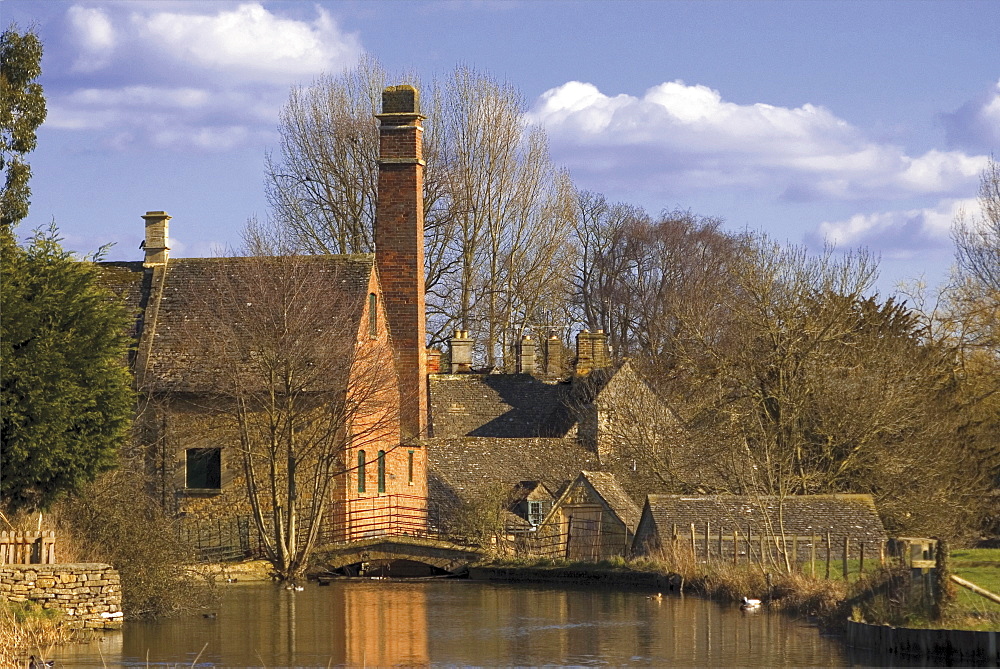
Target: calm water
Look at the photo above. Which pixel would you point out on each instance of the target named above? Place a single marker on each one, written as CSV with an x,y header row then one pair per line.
x,y
460,623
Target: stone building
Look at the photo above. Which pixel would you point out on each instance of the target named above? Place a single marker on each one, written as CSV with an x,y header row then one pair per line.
x,y
375,309
840,516
492,432
593,519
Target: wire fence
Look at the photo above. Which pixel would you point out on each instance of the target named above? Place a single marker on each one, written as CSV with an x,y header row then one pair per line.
x,y
221,539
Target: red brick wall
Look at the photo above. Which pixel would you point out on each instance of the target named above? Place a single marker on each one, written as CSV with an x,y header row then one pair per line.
x,y
377,427
399,247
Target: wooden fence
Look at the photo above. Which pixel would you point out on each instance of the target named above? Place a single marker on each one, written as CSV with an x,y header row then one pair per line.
x,y
816,554
27,547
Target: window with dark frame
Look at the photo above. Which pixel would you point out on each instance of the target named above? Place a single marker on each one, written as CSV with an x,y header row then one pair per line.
x,y
409,468
361,471
203,469
381,471
372,315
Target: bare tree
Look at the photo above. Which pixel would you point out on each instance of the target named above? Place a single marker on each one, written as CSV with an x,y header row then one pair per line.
x,y
496,211
294,382
977,238
632,273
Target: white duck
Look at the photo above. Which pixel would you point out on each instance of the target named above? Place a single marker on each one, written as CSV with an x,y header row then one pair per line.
x,y
750,604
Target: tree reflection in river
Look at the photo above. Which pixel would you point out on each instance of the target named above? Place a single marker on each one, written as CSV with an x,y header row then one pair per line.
x,y
455,623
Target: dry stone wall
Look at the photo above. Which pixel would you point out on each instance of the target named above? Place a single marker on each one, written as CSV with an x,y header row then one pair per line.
x,y
89,594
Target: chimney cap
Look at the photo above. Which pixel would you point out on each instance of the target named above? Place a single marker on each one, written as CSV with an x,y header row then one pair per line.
x,y
403,99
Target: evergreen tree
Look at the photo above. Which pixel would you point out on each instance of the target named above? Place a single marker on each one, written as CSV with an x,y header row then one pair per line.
x,y
65,394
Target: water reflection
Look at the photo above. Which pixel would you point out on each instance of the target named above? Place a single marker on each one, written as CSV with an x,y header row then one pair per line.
x,y
455,623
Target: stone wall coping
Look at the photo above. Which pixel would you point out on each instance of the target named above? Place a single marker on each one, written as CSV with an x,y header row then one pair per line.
x,y
58,566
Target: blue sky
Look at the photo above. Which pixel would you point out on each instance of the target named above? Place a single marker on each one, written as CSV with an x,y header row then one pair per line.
x,y
861,123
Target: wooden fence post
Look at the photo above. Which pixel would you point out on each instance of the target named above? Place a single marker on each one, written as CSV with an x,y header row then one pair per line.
x,y
722,555
847,549
708,552
795,552
829,553
736,544
749,545
694,547
812,554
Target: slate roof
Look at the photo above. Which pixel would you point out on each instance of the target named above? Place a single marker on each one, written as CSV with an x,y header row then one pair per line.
x,y
607,486
496,405
188,307
851,516
460,468
129,281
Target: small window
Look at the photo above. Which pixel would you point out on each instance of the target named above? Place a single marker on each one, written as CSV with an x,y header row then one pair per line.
x,y
409,468
361,471
204,468
537,510
381,471
372,315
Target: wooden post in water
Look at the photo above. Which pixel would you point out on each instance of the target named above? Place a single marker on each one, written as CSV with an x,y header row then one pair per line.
x,y
829,553
847,549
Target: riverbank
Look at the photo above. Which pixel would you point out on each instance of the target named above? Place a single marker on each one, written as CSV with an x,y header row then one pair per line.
x,y
28,629
795,593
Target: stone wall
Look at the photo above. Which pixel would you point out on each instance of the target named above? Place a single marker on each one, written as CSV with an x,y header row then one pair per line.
x,y
89,594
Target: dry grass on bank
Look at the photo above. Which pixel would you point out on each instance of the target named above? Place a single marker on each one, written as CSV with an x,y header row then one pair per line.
x,y
27,629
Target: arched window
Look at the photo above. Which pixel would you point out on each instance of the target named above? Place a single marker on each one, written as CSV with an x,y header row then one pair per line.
x,y
381,471
361,471
372,315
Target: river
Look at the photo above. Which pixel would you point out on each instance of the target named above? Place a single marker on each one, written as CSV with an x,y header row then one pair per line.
x,y
459,623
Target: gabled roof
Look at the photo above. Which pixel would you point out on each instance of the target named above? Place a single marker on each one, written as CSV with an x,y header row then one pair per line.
x,y
459,469
185,304
495,405
606,486
803,515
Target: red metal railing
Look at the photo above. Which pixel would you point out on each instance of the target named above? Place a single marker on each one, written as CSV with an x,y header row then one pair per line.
x,y
383,516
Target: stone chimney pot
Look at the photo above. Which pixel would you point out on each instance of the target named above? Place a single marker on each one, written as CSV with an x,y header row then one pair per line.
x,y
155,243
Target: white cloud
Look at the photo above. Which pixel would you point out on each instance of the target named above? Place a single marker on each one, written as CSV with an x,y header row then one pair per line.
x,y
251,42
901,234
91,29
690,138
976,124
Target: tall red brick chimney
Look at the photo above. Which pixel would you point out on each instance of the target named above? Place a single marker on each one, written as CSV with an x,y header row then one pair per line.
x,y
399,246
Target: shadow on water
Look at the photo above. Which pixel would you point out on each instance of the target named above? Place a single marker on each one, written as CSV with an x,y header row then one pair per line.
x,y
455,623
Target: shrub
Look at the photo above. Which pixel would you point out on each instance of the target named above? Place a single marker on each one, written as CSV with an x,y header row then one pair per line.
x,y
114,521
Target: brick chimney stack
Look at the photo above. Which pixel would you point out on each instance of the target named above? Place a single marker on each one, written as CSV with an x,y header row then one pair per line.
x,y
399,246
155,243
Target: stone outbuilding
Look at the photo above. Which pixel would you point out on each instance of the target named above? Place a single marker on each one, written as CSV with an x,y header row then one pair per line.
x,y
593,519
810,518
